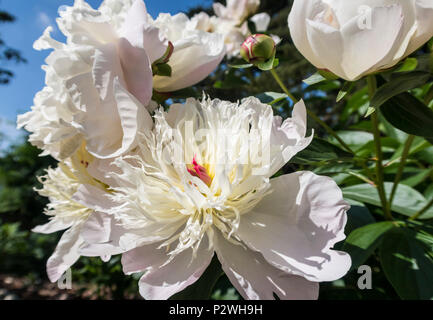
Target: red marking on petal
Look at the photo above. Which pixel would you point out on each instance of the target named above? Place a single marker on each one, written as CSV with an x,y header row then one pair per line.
x,y
199,172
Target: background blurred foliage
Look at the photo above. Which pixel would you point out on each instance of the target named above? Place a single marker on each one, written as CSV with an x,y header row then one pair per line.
x,y
7,54
399,253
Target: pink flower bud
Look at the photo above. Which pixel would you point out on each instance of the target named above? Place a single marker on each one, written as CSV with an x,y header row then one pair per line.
x,y
258,48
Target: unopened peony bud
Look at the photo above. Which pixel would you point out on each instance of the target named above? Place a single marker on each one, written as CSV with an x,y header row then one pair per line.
x,y
258,48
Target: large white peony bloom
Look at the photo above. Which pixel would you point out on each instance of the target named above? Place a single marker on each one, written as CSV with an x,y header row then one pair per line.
x,y
200,184
234,34
100,82
357,37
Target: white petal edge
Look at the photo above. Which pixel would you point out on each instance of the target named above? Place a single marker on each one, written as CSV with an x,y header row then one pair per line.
x,y
296,226
256,279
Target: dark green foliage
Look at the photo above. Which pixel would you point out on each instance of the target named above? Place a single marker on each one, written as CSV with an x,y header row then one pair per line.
x,y
8,54
21,209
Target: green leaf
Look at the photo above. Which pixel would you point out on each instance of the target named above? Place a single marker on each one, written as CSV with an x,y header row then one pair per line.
x,y
347,87
320,151
407,260
408,114
369,112
357,216
315,78
328,75
416,179
393,132
367,150
267,65
271,97
407,201
400,83
428,97
362,242
202,289
426,155
418,145
333,168
163,70
354,139
409,64
425,62
241,66
429,192
357,103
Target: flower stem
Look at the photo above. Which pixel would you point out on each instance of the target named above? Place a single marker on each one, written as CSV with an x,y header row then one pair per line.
x,y
372,86
399,174
283,86
311,114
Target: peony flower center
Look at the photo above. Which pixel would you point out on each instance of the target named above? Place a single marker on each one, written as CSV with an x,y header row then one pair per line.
x,y
199,171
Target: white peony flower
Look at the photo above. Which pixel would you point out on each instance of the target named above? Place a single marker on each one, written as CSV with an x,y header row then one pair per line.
x,y
231,22
233,33
196,53
100,82
358,37
200,184
65,186
116,10
236,10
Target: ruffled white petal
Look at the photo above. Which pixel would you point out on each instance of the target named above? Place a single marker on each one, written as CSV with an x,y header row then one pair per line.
x,y
97,228
93,198
160,282
138,30
66,253
256,279
137,70
261,20
296,226
54,225
236,10
289,137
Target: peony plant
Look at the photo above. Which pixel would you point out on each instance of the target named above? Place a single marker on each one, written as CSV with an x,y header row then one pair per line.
x,y
176,184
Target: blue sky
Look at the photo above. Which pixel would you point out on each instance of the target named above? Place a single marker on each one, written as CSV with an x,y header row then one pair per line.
x,y
33,16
